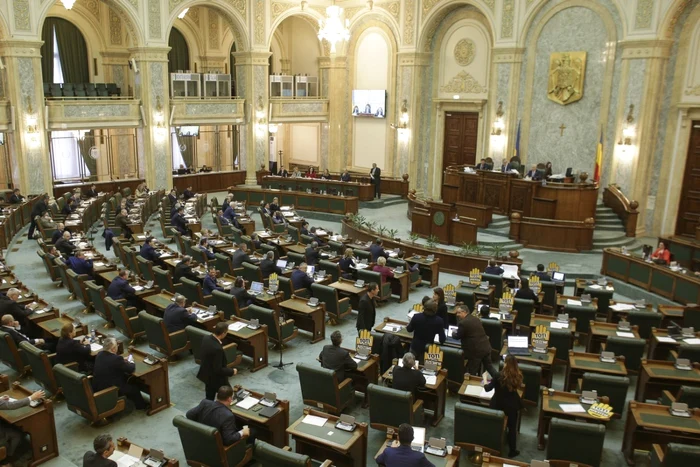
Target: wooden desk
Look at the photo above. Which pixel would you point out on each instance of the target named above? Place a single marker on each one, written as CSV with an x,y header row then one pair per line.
x,y
346,287
301,200
600,332
551,408
251,342
366,373
580,363
202,182
123,445
649,424
450,460
106,278
272,430
363,191
400,286
671,313
658,375
582,284
686,251
38,422
433,395
485,295
155,377
542,360
614,316
327,442
430,270
51,328
563,301
310,319
494,461
547,320
473,380
659,349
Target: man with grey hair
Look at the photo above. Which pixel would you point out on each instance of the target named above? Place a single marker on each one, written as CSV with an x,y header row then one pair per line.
x,y
64,245
268,265
104,447
10,437
312,254
177,317
9,306
112,370
407,377
300,279
11,326
58,233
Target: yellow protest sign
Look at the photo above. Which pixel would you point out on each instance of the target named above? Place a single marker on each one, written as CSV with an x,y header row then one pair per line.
x,y
535,284
507,300
600,410
434,354
450,294
540,335
475,276
553,267
274,281
365,340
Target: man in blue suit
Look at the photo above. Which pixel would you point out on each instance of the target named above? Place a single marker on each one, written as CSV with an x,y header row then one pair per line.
x,y
230,212
178,221
223,220
377,250
505,166
120,288
58,233
112,370
177,317
216,413
400,454
150,253
300,279
210,283
80,265
204,247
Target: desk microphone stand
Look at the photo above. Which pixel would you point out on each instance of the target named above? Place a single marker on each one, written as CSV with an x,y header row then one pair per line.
x,y
281,364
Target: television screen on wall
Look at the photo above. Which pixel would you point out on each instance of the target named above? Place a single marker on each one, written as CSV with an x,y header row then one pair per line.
x,y
189,131
369,103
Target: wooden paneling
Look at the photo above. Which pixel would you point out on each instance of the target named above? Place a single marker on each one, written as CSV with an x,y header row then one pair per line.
x,y
549,234
365,192
420,222
689,206
625,209
461,132
482,215
107,186
302,201
209,181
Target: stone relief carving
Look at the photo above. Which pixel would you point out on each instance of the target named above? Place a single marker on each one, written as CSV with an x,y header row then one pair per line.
x,y
435,24
115,28
507,21
676,16
393,8
279,7
239,5
492,4
213,29
154,30
93,6
465,51
21,10
193,14
409,26
350,12
693,91
259,22
463,83
427,6
645,9
134,3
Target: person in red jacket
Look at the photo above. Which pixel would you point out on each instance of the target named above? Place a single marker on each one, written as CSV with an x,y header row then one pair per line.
x,y
662,253
382,269
311,173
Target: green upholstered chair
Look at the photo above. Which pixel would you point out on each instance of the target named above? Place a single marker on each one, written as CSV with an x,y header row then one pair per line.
x,y
80,398
496,335
645,320
604,297
179,242
51,269
631,348
477,426
336,308
41,363
389,408
305,239
493,279
224,301
236,235
691,352
613,387
293,232
674,455
362,254
525,309
686,394
164,280
371,276
133,265
691,317
415,277
11,356
188,247
584,315
320,388
467,297
249,242
336,246
267,454
296,258
145,268
276,332
332,269
126,319
63,273
193,292
195,336
453,362
223,264
78,284
376,342
285,286
269,248
97,298
549,298
160,339
563,340
203,446
224,230
575,441
251,273
532,377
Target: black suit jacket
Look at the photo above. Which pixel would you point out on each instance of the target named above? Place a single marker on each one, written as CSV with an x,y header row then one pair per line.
x,y
10,307
495,270
268,266
70,350
56,236
475,341
407,379
377,251
377,174
213,370
338,359
503,399
239,257
184,270
312,256
242,295
91,193
39,208
366,313
14,199
527,295
177,318
111,370
92,459
217,415
179,223
65,247
17,336
301,280
424,328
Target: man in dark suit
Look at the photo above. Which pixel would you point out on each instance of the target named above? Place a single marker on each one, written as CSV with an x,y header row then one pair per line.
x,y
367,313
268,265
209,283
213,371
336,358
282,172
58,233
172,197
400,454
80,265
300,279
9,306
112,370
505,166
178,221
65,246
91,192
316,238
188,193
230,212
425,326
239,291
377,250
304,228
475,342
217,414
312,254
104,447
12,438
345,176
16,197
542,274
204,248
493,268
274,205
120,289
122,221
375,175
184,269
38,210
482,165
149,253
222,219
407,377
240,256
11,326
70,350
177,317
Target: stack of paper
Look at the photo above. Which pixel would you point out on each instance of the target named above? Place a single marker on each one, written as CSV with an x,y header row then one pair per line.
x,y
472,390
573,302
95,347
622,307
572,408
248,402
558,325
595,286
237,326
487,394
314,420
430,380
625,334
692,341
666,339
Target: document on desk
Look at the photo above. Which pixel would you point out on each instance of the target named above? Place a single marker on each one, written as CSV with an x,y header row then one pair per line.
x,y
357,360
95,347
124,460
572,408
622,307
692,341
472,390
314,420
558,325
595,287
487,394
666,339
573,302
510,271
431,380
625,334
237,326
248,402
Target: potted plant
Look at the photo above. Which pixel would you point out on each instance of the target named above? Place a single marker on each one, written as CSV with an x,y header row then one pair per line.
x,y
381,230
466,248
476,249
413,237
432,242
370,226
392,233
496,251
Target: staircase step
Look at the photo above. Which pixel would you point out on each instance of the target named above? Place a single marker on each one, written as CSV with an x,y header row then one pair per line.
x,y
606,215
607,221
610,228
613,242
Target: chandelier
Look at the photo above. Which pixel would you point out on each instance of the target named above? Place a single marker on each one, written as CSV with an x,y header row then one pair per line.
x,y
332,28
68,4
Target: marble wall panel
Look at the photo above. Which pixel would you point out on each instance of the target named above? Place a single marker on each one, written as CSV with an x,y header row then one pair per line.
x,y
242,91
261,141
34,157
503,82
160,154
96,111
211,108
325,139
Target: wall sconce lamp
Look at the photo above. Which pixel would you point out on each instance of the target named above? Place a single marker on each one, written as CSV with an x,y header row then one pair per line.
x,y
159,120
272,127
628,129
260,117
32,125
402,125
498,125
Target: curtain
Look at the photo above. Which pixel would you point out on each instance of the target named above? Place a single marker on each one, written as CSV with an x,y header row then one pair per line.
x,y
179,55
47,48
84,146
178,160
67,162
73,52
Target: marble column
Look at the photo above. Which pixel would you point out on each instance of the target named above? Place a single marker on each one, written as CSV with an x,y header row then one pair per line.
x,y
25,93
505,79
152,88
252,85
334,87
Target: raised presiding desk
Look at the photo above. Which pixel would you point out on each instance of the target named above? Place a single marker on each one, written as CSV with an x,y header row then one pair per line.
x,y
203,182
270,429
315,435
363,191
298,199
659,279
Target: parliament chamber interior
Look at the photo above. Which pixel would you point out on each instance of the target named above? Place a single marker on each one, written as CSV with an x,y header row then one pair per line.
x,y
349,233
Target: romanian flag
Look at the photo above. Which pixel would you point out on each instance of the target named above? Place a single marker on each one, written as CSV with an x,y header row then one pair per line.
x,y
598,159
516,152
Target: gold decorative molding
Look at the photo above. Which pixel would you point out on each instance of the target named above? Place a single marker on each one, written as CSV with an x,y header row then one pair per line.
x,y
427,6
21,11
25,49
464,52
491,4
528,3
214,42
394,9
115,28
676,16
437,20
409,28
507,19
693,91
93,6
642,19
508,55
463,83
567,71
193,14
259,22
350,12
646,49
413,59
277,8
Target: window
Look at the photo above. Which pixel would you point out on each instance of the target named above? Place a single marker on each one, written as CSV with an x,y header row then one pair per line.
x,y
57,68
213,146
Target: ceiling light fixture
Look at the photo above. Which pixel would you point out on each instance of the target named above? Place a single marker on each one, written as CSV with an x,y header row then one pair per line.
x,y
332,28
68,4
184,12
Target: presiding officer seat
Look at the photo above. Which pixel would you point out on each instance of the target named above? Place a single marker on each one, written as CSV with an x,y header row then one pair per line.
x,y
203,445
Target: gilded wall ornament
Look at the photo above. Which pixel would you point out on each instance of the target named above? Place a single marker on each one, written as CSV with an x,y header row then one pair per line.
x,y
279,7
259,22
115,28
642,18
193,14
693,91
463,83
567,71
214,42
154,27
393,8
507,20
409,28
465,51
21,10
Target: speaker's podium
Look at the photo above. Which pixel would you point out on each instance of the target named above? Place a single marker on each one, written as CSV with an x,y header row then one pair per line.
x,y
439,221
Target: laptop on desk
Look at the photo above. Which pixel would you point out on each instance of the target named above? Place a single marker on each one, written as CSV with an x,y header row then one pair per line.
x,y
449,335
256,288
282,264
430,368
518,345
558,277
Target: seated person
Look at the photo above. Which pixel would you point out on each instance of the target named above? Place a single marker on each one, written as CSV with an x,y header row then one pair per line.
x,y
65,246
69,208
532,173
326,175
377,250
188,193
304,228
182,170
204,248
16,197
222,219
172,197
525,292
184,269
400,454
296,173
240,256
661,254
312,173
275,205
278,218
217,414
80,265
255,240
239,291
141,190
407,266
505,166
482,165
345,176
12,327
407,377
316,238
268,265
122,221
13,438
178,221
230,212
177,317
493,268
265,209
112,370
485,312
382,269
92,192
149,253
104,447
300,279
336,358
69,350
209,284
121,289
282,172
548,170
542,274
58,233
9,305
46,222
312,254
347,263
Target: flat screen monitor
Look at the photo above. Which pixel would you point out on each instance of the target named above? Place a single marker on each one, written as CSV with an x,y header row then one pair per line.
x,y
369,103
189,131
